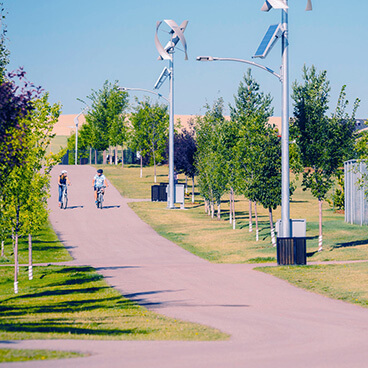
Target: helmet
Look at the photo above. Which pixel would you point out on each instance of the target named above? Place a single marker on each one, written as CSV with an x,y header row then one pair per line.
x,y
100,171
64,172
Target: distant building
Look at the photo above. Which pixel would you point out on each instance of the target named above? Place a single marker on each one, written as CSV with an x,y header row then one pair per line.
x,y
65,126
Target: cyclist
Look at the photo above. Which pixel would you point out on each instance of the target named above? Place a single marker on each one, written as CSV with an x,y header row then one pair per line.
x,y
99,181
63,180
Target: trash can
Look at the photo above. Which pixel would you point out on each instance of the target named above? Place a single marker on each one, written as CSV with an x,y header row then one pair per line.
x,y
163,192
293,250
155,190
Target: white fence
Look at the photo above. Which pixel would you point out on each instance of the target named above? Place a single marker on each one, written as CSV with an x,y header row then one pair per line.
x,y
356,202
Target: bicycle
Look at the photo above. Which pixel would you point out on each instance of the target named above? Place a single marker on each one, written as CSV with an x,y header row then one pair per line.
x,y
64,197
100,195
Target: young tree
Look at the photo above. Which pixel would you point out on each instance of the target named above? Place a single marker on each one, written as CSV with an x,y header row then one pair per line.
x,y
257,148
28,184
106,114
185,150
324,142
210,162
150,124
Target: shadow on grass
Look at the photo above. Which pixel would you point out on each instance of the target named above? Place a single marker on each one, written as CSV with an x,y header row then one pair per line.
x,y
350,244
311,254
50,326
69,306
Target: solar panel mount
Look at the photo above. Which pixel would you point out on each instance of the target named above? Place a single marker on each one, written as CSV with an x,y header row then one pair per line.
x,y
273,33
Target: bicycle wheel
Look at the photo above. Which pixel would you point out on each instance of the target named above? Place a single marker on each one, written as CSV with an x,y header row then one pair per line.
x,y
64,203
100,200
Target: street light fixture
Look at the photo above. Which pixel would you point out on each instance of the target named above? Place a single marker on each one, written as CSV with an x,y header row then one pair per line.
x,y
215,58
167,53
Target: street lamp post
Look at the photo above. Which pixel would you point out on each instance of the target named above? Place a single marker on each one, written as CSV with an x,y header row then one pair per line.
x,y
269,40
167,53
76,122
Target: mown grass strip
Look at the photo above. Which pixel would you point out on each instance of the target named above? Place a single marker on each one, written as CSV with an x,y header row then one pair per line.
x,y
23,355
217,242
46,248
76,303
347,282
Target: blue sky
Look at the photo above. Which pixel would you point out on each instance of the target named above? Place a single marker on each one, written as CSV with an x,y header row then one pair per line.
x,y
70,47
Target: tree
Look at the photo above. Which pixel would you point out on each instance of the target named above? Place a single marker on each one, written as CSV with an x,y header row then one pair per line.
x,y
28,183
212,174
324,142
185,150
150,124
16,104
106,115
258,150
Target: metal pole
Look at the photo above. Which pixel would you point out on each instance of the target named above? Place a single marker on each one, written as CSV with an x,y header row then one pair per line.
x,y
76,144
285,186
171,203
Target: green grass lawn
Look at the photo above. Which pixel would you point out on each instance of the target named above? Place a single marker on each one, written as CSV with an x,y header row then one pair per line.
x,y
76,303
46,247
347,282
57,143
23,355
216,241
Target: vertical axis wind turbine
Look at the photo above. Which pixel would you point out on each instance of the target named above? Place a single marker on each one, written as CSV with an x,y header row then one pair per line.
x,y
272,35
167,53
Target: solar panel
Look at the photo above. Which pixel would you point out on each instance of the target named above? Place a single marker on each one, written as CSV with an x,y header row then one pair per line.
x,y
273,33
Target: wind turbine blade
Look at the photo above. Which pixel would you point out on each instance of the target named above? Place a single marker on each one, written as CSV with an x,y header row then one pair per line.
x,y
277,4
309,5
266,6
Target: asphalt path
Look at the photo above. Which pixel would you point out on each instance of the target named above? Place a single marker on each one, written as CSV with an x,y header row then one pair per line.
x,y
271,323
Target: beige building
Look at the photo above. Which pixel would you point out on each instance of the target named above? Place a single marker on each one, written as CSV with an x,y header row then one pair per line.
x,y
65,125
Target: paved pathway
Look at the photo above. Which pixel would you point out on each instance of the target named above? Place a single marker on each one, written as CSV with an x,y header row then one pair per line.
x,y
272,324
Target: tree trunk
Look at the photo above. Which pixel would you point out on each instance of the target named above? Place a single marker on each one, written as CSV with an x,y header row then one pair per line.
x,y
95,157
193,189
154,168
90,156
104,157
141,167
122,157
234,221
212,210
250,217
256,217
110,155
320,248
186,183
16,266
30,266
231,206
219,211
116,155
2,249
273,239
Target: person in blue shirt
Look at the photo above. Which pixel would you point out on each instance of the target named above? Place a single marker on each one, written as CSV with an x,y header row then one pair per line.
x,y
99,181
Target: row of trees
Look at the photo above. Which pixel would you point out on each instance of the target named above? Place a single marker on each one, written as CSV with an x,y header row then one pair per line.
x,y
107,125
243,155
26,122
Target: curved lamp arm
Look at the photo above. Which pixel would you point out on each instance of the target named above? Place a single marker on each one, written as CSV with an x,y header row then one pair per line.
x,y
214,58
